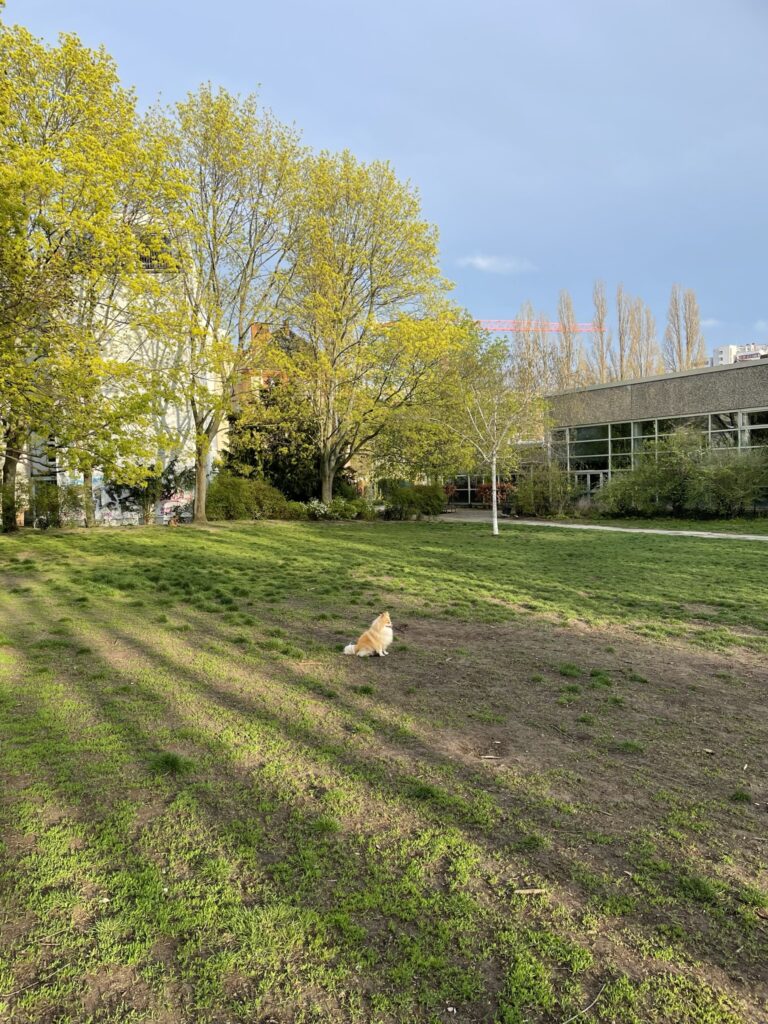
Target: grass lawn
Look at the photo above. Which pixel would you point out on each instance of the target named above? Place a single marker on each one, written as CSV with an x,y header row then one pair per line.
x,y
550,796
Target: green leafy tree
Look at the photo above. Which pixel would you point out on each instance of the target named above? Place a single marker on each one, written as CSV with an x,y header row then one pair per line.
x,y
367,297
414,443
107,402
494,410
274,435
230,236
76,207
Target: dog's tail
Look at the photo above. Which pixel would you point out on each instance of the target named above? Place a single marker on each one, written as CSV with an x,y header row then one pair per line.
x,y
350,649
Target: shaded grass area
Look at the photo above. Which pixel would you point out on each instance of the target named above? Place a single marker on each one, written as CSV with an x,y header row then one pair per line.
x,y
208,814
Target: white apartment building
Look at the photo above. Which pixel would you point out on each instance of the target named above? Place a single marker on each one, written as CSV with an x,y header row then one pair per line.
x,y
727,354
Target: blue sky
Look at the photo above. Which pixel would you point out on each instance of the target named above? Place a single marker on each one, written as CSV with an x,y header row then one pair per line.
x,y
553,141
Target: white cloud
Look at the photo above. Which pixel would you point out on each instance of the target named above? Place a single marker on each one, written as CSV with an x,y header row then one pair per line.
x,y
760,325
711,322
497,264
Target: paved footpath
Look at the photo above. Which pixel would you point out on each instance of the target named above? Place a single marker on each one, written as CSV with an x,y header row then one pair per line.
x,y
483,516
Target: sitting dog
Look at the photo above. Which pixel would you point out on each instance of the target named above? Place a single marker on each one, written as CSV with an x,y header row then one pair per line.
x,y
375,640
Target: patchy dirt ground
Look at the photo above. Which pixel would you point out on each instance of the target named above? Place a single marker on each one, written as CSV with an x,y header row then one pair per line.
x,y
637,741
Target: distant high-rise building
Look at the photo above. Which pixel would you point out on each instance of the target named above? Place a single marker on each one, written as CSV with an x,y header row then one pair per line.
x,y
726,354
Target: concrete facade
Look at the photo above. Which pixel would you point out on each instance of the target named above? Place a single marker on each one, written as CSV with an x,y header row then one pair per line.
x,y
709,389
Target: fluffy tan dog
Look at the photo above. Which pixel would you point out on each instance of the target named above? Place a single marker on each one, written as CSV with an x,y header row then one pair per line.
x,y
375,640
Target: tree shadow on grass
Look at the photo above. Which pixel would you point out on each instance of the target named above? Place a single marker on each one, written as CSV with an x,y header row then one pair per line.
x,y
314,856
287,883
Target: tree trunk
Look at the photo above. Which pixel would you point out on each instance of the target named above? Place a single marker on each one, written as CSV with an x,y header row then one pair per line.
x,y
201,479
90,517
12,454
327,473
158,502
494,499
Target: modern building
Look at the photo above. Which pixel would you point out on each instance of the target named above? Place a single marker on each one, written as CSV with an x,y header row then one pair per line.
x,y
726,354
599,430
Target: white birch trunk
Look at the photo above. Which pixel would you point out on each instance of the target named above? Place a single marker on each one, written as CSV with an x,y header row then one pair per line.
x,y
494,500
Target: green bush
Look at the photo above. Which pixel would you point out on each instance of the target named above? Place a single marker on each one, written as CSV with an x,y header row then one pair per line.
x,y
71,503
45,502
730,484
431,499
403,502
341,508
269,502
629,493
545,490
295,510
661,482
682,476
365,509
679,461
229,497
234,497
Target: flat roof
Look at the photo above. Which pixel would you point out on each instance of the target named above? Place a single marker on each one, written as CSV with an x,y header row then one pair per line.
x,y
744,365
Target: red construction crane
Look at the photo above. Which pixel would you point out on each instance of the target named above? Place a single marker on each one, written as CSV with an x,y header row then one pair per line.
x,y
509,326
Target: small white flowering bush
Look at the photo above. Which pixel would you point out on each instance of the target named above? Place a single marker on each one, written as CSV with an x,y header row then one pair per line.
x,y
317,509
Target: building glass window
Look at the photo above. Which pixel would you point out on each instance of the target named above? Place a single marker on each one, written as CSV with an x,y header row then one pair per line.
x,y
596,433
590,462
724,439
559,445
724,420
462,495
621,430
696,422
667,426
644,428
592,451
579,448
